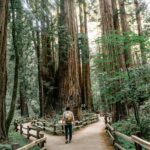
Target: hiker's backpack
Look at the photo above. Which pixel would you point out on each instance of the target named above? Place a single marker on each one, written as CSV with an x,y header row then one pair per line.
x,y
68,117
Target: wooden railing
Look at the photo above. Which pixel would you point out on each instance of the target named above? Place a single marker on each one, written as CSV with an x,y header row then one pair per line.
x,y
138,143
29,132
59,128
39,142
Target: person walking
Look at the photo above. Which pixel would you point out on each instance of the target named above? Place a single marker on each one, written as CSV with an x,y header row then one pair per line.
x,y
68,120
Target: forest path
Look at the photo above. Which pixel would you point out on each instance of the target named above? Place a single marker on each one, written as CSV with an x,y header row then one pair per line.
x,y
92,137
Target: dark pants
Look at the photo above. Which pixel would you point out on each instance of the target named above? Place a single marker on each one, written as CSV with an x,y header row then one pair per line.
x,y
68,131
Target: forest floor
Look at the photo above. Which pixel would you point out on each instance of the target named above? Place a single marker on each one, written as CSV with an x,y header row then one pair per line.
x,y
92,137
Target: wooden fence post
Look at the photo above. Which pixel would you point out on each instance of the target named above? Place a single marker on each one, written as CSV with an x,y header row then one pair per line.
x,y
16,125
38,134
21,131
109,118
32,122
114,135
137,146
97,118
28,132
105,118
42,144
62,129
15,146
54,129
44,125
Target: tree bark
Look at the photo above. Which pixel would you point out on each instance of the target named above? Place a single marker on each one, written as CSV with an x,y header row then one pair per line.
x,y
125,30
69,93
111,52
120,59
22,66
41,97
36,41
119,50
3,70
47,63
84,46
107,26
23,101
140,32
15,86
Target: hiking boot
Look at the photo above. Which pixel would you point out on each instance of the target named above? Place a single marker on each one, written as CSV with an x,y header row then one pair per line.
x,y
66,141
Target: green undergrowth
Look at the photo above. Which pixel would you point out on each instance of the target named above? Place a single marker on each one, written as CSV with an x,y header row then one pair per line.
x,y
5,147
125,144
15,137
127,127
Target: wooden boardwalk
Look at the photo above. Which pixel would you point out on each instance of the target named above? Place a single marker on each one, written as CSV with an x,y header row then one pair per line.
x,y
92,137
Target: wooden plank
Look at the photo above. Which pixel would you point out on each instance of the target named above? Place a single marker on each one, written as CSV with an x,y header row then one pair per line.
x,y
49,129
110,135
40,128
110,127
35,136
141,142
44,148
125,137
35,129
24,127
108,115
38,122
26,147
119,146
25,134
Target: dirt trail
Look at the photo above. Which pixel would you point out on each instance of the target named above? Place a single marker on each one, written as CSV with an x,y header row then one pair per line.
x,y
92,137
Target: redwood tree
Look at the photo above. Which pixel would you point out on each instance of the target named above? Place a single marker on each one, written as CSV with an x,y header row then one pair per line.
x,y
3,73
111,53
68,73
125,29
15,34
139,29
84,47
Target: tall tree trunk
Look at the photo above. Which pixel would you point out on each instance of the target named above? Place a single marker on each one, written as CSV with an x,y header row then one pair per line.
x,y
22,82
120,60
37,45
111,52
15,86
41,97
107,21
37,41
48,69
3,70
119,50
127,53
23,101
79,57
86,81
80,47
68,77
22,66
125,29
140,32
